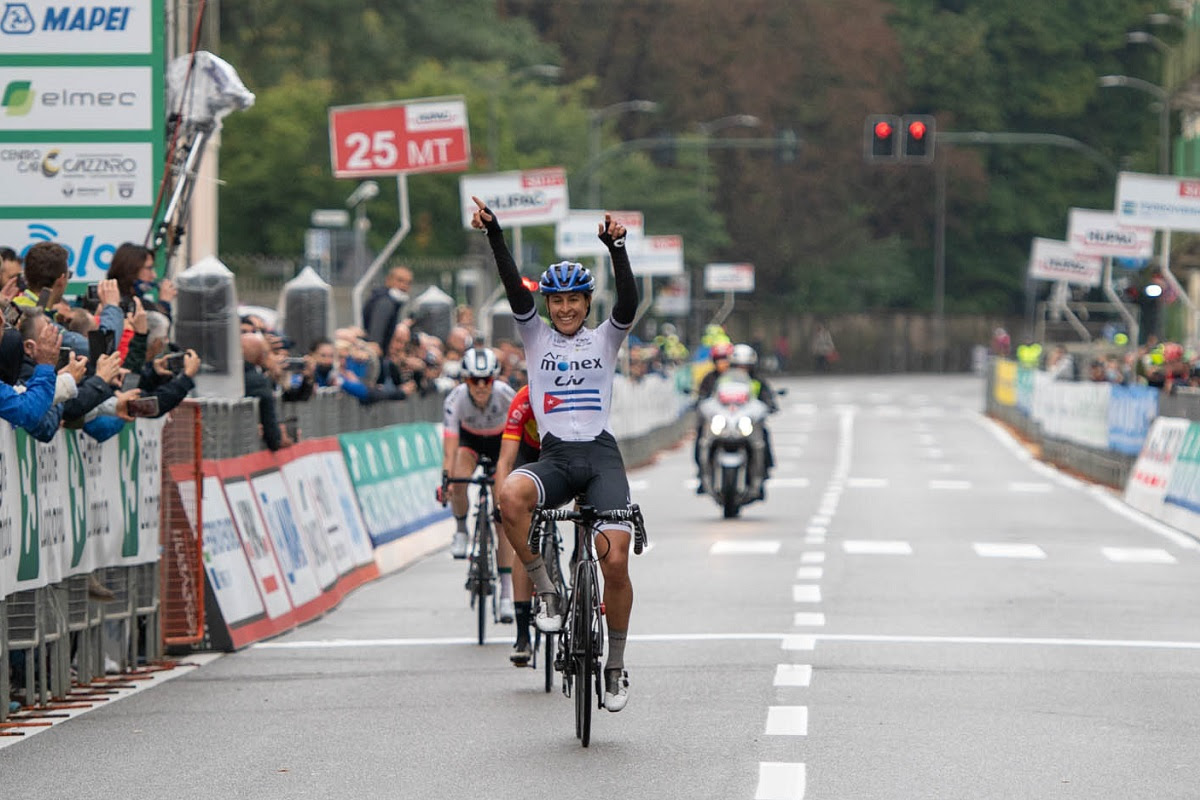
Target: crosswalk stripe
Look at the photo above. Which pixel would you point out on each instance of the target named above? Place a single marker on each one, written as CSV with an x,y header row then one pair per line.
x,y
1138,555
793,674
1008,550
876,547
787,721
806,593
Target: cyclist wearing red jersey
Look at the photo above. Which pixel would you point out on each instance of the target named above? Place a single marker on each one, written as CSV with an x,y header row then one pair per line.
x,y
571,370
519,446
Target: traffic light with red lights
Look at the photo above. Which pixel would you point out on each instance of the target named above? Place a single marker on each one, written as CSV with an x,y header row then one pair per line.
x,y
907,139
917,138
883,137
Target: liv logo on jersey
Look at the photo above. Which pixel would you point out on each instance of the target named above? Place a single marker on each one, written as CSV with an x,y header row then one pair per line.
x,y
571,400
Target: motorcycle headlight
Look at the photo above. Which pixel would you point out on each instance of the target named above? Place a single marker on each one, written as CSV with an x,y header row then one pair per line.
x,y
745,426
717,425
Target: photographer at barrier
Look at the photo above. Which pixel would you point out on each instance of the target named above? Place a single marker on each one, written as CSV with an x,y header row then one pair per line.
x,y
46,281
257,363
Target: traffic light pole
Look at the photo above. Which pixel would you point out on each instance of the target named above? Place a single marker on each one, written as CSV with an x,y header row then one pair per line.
x,y
939,262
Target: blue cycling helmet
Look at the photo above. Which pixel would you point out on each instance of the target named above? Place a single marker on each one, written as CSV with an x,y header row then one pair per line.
x,y
566,276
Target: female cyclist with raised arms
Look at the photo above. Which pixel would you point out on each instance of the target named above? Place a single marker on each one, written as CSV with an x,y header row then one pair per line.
x,y
571,368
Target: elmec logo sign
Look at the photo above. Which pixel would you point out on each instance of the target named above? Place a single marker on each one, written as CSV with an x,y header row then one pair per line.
x,y
40,26
69,98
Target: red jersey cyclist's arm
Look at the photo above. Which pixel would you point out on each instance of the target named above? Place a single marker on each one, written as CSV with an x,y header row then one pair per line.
x,y
520,299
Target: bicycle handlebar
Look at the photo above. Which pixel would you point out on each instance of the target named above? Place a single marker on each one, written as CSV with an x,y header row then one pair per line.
x,y
588,515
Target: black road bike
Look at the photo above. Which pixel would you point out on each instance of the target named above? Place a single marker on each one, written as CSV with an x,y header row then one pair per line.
x,y
481,569
581,640
550,545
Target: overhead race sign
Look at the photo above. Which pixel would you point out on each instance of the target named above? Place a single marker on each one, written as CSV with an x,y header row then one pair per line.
x,y
1100,233
577,235
659,255
520,199
1054,260
729,277
1158,201
411,136
38,27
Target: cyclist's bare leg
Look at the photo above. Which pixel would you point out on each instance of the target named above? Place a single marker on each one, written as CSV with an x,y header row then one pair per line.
x,y
618,590
464,464
518,497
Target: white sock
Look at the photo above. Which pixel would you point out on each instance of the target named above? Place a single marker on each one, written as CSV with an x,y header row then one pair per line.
x,y
506,585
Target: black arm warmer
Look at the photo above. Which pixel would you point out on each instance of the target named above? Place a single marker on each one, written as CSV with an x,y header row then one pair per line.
x,y
625,309
520,299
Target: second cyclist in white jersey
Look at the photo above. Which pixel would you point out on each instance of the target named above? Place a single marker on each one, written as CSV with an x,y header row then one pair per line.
x,y
571,369
474,414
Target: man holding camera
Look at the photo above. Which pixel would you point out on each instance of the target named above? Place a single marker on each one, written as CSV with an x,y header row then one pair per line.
x,y
46,281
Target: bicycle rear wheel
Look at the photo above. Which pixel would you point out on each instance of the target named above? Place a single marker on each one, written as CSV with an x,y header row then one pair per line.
x,y
585,657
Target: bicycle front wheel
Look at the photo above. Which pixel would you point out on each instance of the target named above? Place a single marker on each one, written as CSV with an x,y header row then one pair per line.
x,y
585,658
483,537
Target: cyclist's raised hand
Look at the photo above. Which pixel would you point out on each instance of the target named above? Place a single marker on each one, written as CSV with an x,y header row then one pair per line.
x,y
483,219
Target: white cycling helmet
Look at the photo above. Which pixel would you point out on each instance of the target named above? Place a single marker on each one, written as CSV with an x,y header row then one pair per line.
x,y
743,356
480,362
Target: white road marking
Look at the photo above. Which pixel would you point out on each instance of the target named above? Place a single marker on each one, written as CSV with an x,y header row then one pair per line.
x,y
1023,486
949,484
877,547
820,519
806,593
816,530
867,483
728,547
793,674
812,557
787,721
813,619
810,573
780,781
815,538
1008,550
797,643
785,483
1138,555
788,641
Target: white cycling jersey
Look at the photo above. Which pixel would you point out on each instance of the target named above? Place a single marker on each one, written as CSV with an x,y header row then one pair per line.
x,y
461,414
570,377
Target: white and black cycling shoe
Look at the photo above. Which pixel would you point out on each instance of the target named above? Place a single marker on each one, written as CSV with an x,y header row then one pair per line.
x,y
507,613
458,545
549,617
616,689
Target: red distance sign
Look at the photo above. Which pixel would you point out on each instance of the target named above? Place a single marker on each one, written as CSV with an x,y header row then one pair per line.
x,y
428,135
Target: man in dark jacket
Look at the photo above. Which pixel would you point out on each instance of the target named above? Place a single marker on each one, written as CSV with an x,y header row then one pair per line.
x,y
255,352
387,306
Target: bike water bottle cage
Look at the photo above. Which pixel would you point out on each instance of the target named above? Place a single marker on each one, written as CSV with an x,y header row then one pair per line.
x,y
566,276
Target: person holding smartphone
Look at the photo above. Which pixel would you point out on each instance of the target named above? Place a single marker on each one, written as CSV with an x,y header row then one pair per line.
x,y
46,276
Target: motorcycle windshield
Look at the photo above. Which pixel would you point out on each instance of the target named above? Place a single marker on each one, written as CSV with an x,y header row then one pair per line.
x,y
732,392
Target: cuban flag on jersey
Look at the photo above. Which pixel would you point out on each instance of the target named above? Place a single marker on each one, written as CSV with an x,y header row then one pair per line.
x,y
571,400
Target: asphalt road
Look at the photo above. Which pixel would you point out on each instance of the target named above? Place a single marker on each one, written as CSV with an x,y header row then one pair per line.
x,y
918,610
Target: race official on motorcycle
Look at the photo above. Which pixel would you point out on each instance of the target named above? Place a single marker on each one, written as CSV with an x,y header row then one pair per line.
x,y
719,353
745,358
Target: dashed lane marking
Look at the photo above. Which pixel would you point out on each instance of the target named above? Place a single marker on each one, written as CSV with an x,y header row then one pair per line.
x,y
806,593
780,781
950,485
867,483
787,721
793,674
877,547
812,557
1138,555
1025,486
809,573
806,619
1008,550
745,547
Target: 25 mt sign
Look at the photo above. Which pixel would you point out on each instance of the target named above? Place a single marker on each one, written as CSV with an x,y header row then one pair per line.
x,y
427,135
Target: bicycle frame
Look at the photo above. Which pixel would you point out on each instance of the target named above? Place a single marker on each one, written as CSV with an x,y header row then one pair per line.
x,y
481,571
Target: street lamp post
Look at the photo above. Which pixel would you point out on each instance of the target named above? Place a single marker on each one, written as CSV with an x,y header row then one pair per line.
x,y
596,117
1164,112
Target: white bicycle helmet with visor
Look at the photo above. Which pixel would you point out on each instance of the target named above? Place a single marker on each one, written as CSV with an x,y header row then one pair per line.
x,y
480,362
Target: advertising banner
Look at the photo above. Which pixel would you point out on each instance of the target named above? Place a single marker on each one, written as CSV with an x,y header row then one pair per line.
x,y
395,472
1100,233
659,256
1053,260
256,541
729,277
40,27
520,199
1004,382
426,135
230,578
305,577
90,243
1158,201
73,99
577,235
1181,507
62,174
1131,410
1146,488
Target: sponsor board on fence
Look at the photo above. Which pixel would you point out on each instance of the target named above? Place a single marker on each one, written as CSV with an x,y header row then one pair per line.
x,y
1131,410
73,505
395,472
1146,488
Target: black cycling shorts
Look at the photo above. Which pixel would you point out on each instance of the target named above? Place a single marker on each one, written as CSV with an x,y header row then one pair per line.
x,y
526,454
595,469
481,445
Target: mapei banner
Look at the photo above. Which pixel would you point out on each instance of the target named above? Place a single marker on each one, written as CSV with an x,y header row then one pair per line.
x,y
73,505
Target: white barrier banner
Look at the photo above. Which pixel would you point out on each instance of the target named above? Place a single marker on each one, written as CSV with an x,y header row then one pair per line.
x,y
10,515
229,574
268,577
342,494
1146,488
1076,412
307,573
315,510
